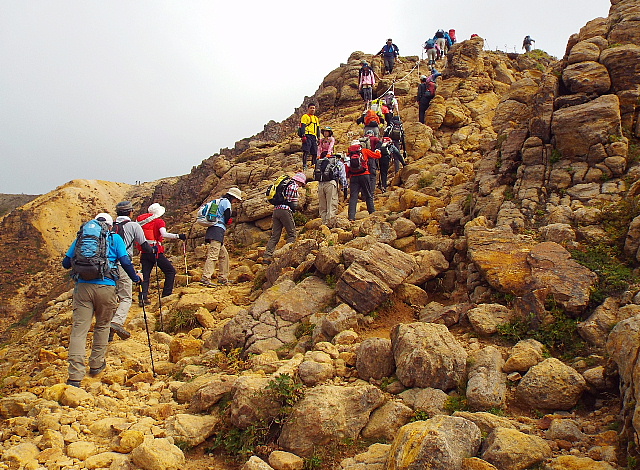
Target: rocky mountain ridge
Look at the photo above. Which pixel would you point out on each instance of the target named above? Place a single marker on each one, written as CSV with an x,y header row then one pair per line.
x,y
484,317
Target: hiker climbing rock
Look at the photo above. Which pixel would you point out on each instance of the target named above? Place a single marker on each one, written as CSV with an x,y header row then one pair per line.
x,y
358,174
389,53
388,151
330,172
395,131
527,43
327,141
309,132
426,92
441,43
285,202
155,231
432,51
131,233
372,118
391,104
220,211
93,258
366,81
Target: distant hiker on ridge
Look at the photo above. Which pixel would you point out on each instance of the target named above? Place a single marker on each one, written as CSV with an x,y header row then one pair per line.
x,y
95,272
283,215
389,53
527,43
155,231
214,238
131,233
309,131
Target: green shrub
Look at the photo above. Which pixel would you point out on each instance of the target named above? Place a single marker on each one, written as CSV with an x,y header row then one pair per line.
x,y
556,156
179,320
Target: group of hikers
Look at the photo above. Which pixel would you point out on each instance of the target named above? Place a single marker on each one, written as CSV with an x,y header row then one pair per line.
x,y
100,257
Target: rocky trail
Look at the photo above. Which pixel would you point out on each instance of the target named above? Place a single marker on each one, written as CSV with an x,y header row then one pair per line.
x,y
486,316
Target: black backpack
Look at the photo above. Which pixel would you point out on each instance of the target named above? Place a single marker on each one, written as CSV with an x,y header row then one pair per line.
x,y
275,192
118,227
357,163
325,169
396,131
89,260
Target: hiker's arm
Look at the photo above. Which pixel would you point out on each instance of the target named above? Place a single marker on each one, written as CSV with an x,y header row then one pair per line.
x,y
227,216
127,265
165,234
66,262
138,236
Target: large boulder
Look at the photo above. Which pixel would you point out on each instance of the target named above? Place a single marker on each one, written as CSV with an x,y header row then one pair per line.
x,y
487,384
328,413
439,443
428,355
587,77
374,359
158,454
514,450
551,385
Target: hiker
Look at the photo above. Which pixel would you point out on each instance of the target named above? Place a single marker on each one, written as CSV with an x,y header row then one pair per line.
x,y
395,131
372,119
155,231
372,142
366,81
391,103
214,238
441,42
432,52
327,141
94,293
389,53
426,92
283,215
527,42
388,151
358,174
309,131
330,173
452,36
131,233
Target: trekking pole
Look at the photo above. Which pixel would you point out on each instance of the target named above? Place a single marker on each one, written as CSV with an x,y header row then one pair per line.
x,y
146,325
159,296
184,252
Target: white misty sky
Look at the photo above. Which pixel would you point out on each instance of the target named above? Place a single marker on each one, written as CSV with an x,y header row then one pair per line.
x,y
140,90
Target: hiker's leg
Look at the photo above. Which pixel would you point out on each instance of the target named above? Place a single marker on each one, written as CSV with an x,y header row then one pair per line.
x,y
276,231
124,287
384,169
313,148
81,322
332,201
211,261
354,188
368,197
422,109
223,258
148,261
323,202
289,225
105,302
169,274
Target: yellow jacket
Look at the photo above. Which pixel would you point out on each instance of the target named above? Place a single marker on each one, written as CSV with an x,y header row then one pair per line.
x,y
312,124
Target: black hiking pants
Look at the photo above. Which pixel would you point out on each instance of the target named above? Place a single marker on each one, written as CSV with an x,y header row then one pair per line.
x,y
148,261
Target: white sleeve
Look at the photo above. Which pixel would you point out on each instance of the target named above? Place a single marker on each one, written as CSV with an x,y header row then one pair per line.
x,y
165,234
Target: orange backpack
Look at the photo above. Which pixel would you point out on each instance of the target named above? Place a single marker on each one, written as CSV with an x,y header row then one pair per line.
x,y
371,117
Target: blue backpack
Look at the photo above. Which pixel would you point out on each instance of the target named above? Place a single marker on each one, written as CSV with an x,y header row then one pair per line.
x,y
89,260
430,44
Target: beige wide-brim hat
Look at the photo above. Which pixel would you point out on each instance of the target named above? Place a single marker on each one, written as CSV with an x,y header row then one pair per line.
x,y
156,209
235,192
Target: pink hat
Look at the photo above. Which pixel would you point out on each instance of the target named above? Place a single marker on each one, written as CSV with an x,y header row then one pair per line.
x,y
300,178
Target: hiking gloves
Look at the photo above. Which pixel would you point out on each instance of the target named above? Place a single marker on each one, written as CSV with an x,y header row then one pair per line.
x,y
182,236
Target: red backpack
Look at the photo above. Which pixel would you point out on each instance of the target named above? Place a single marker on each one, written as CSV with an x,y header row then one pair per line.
x,y
370,117
357,161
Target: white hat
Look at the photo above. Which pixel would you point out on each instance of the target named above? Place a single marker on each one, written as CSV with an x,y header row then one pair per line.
x,y
105,217
235,192
156,209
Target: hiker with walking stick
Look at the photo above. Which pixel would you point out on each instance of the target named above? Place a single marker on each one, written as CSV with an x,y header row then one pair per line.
x,y
155,232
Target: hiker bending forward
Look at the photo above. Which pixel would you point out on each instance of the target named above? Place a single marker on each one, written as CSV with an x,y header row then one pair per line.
x,y
358,174
214,237
155,231
95,297
283,216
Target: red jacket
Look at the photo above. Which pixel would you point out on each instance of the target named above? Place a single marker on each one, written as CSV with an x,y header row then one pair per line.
x,y
367,155
152,230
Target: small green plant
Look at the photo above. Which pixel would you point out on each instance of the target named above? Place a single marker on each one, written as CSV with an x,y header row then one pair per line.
x,y
509,194
419,415
456,403
304,329
556,156
300,219
497,411
425,181
179,320
468,204
386,381
331,280
313,463
285,390
615,138
501,140
230,361
632,462
183,445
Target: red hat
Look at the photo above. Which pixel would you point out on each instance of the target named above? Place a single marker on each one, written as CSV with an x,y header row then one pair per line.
x,y
355,148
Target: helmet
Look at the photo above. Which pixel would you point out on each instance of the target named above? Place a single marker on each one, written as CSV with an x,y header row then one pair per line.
x,y
156,209
423,77
124,207
236,193
104,217
300,178
354,148
390,93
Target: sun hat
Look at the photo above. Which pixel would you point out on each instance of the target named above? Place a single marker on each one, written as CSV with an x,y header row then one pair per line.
x,y
236,193
156,209
300,178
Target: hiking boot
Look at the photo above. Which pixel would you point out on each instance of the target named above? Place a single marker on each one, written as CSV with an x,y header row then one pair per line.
x,y
223,282
111,334
95,371
74,383
206,282
120,331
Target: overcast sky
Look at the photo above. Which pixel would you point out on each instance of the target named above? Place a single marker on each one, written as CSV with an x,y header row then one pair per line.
x,y
140,90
